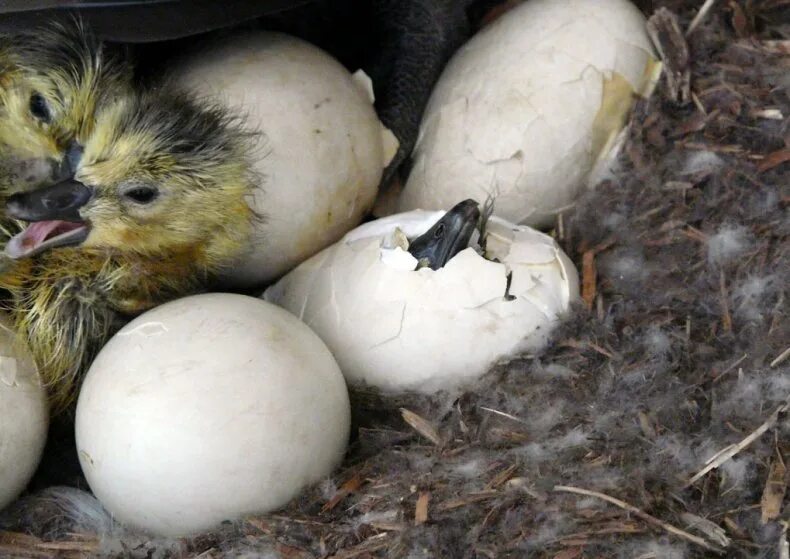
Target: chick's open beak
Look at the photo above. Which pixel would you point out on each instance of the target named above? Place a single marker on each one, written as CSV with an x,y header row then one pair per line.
x,y
448,236
54,215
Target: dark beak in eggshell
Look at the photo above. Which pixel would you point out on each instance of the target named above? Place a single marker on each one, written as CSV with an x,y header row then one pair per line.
x,y
447,237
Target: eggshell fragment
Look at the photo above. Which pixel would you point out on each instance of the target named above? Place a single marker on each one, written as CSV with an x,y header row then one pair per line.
x,y
323,148
206,409
24,415
526,108
396,328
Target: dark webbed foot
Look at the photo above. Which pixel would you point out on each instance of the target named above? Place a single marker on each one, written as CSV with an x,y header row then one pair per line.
x,y
417,39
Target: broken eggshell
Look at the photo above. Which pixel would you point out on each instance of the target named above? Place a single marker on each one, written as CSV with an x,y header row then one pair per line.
x,y
24,415
529,105
397,329
322,151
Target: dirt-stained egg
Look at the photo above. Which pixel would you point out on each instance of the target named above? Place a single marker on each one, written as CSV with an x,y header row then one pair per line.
x,y
395,326
528,107
24,415
322,148
206,409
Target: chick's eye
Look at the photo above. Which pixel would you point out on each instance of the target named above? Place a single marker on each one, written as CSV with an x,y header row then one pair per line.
x,y
439,231
39,108
141,194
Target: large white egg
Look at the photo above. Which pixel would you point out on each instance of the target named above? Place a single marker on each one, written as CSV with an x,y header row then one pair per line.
x,y
208,408
396,328
323,148
526,108
24,415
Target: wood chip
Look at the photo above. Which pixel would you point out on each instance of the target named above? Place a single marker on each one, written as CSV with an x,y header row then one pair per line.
x,y
502,477
290,552
464,500
696,234
734,528
774,492
570,553
646,425
345,490
774,159
422,426
739,20
588,278
664,31
421,509
726,317
711,530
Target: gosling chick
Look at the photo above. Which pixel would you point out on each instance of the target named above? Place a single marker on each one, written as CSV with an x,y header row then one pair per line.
x,y
139,198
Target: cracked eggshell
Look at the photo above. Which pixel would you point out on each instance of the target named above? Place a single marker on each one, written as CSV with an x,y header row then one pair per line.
x,y
24,415
322,150
397,329
527,106
206,409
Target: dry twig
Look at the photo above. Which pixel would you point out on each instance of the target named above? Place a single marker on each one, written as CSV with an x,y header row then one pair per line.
x,y
703,11
641,514
781,358
725,454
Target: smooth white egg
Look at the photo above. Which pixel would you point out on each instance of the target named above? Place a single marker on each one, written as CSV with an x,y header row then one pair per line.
x,y
322,150
525,109
399,329
206,409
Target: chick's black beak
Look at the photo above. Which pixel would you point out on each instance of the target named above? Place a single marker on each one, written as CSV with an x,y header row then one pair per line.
x,y
448,236
61,201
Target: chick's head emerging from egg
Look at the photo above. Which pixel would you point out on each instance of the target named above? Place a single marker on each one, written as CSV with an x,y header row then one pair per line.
x,y
159,174
447,237
53,80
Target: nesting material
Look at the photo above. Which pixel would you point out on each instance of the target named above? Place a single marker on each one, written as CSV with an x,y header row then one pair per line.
x,y
529,105
208,408
396,328
322,150
24,415
629,400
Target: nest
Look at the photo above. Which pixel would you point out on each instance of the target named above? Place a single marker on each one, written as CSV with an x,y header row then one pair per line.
x,y
656,422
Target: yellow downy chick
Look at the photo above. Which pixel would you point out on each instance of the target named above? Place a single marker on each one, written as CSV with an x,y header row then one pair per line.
x,y
144,202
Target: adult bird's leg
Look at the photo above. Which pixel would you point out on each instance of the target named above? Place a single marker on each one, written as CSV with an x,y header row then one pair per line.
x,y
416,38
